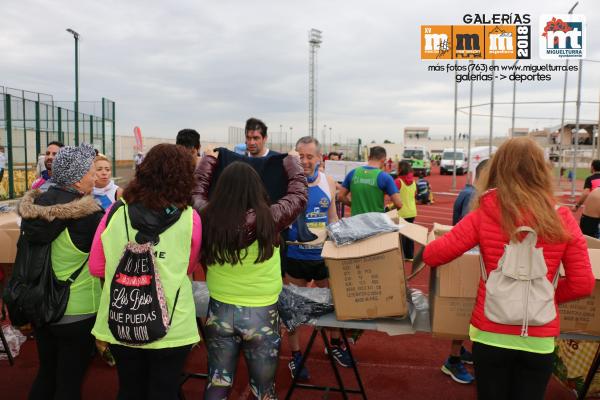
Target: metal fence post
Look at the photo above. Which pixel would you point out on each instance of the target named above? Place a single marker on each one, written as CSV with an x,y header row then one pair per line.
x,y
91,129
60,132
8,117
103,128
38,132
114,155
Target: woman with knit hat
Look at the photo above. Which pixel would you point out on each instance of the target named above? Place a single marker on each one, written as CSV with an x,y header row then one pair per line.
x,y
66,216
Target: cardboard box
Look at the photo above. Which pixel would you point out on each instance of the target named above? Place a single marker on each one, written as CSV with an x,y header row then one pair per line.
x,y
583,315
367,278
9,236
452,292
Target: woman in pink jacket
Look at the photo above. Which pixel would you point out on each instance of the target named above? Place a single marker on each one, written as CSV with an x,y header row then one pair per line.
x,y
515,190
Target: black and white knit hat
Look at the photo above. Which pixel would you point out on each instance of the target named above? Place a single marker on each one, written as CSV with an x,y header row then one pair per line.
x,y
72,163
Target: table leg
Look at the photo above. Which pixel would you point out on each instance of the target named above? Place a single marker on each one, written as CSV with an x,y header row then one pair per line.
x,y
333,363
302,362
360,384
590,376
6,348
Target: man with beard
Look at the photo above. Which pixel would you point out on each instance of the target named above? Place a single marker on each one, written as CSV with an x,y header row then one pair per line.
x,y
43,182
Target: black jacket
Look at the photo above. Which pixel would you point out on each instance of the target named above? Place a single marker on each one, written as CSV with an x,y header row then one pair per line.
x,y
46,215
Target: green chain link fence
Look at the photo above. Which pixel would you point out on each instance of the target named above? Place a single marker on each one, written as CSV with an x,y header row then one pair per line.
x,y
29,121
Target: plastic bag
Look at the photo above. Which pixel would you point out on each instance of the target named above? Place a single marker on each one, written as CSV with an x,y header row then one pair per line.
x,y
15,340
299,305
351,229
418,305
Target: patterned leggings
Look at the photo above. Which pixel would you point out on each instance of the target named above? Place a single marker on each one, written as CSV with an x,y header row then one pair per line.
x,y
254,330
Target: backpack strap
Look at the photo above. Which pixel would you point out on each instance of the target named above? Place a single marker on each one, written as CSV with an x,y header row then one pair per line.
x,y
126,222
531,237
75,274
174,305
484,275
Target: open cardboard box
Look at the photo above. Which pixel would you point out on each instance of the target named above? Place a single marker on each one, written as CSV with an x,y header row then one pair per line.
x,y
9,236
367,277
583,315
452,291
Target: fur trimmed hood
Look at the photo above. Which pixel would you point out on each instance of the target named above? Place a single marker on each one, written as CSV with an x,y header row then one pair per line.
x,y
75,209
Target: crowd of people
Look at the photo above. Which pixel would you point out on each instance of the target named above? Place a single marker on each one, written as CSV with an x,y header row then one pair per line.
x,y
128,255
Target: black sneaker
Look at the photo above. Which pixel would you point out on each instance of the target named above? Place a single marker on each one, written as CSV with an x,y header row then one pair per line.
x,y
341,355
466,356
293,366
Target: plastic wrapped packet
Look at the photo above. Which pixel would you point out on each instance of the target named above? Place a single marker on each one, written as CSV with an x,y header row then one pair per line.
x,y
299,305
351,229
418,305
14,338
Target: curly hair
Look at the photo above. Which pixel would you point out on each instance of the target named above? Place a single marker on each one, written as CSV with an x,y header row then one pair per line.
x,y
164,179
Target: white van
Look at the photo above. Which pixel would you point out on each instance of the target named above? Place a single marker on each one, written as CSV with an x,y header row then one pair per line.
x,y
447,163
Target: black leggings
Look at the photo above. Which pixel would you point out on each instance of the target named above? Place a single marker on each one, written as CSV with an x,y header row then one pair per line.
x,y
64,353
408,245
149,374
589,225
504,374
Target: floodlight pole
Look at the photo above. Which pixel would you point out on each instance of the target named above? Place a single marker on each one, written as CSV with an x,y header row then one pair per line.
x,y
455,117
76,36
578,107
314,42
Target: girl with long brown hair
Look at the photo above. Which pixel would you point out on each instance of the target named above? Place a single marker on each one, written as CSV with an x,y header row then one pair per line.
x,y
516,190
240,235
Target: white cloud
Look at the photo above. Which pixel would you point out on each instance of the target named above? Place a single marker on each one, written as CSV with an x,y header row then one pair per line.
x,y
209,65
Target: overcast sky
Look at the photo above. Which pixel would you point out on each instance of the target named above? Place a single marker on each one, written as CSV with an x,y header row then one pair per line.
x,y
211,65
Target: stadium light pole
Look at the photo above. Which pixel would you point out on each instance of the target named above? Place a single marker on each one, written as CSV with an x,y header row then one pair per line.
x,y
76,37
577,110
455,117
314,42
562,118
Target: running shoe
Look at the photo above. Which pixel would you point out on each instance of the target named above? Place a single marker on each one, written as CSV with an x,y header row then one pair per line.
x,y
293,366
457,372
341,355
466,356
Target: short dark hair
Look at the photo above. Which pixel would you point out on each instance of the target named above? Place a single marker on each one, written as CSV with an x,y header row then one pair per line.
x,y
188,138
163,179
56,143
334,153
377,153
254,124
480,167
596,165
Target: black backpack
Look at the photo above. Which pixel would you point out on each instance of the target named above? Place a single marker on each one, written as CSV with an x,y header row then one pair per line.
x,y
34,294
137,313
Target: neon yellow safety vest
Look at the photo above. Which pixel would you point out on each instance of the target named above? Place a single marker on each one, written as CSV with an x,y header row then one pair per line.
x,y
246,284
172,255
84,296
407,196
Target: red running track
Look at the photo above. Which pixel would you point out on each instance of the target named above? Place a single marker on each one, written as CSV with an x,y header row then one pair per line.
x,y
400,367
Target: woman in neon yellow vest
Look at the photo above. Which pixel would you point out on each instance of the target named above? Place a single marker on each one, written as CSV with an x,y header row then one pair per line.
x,y
241,252
65,216
405,182
156,208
